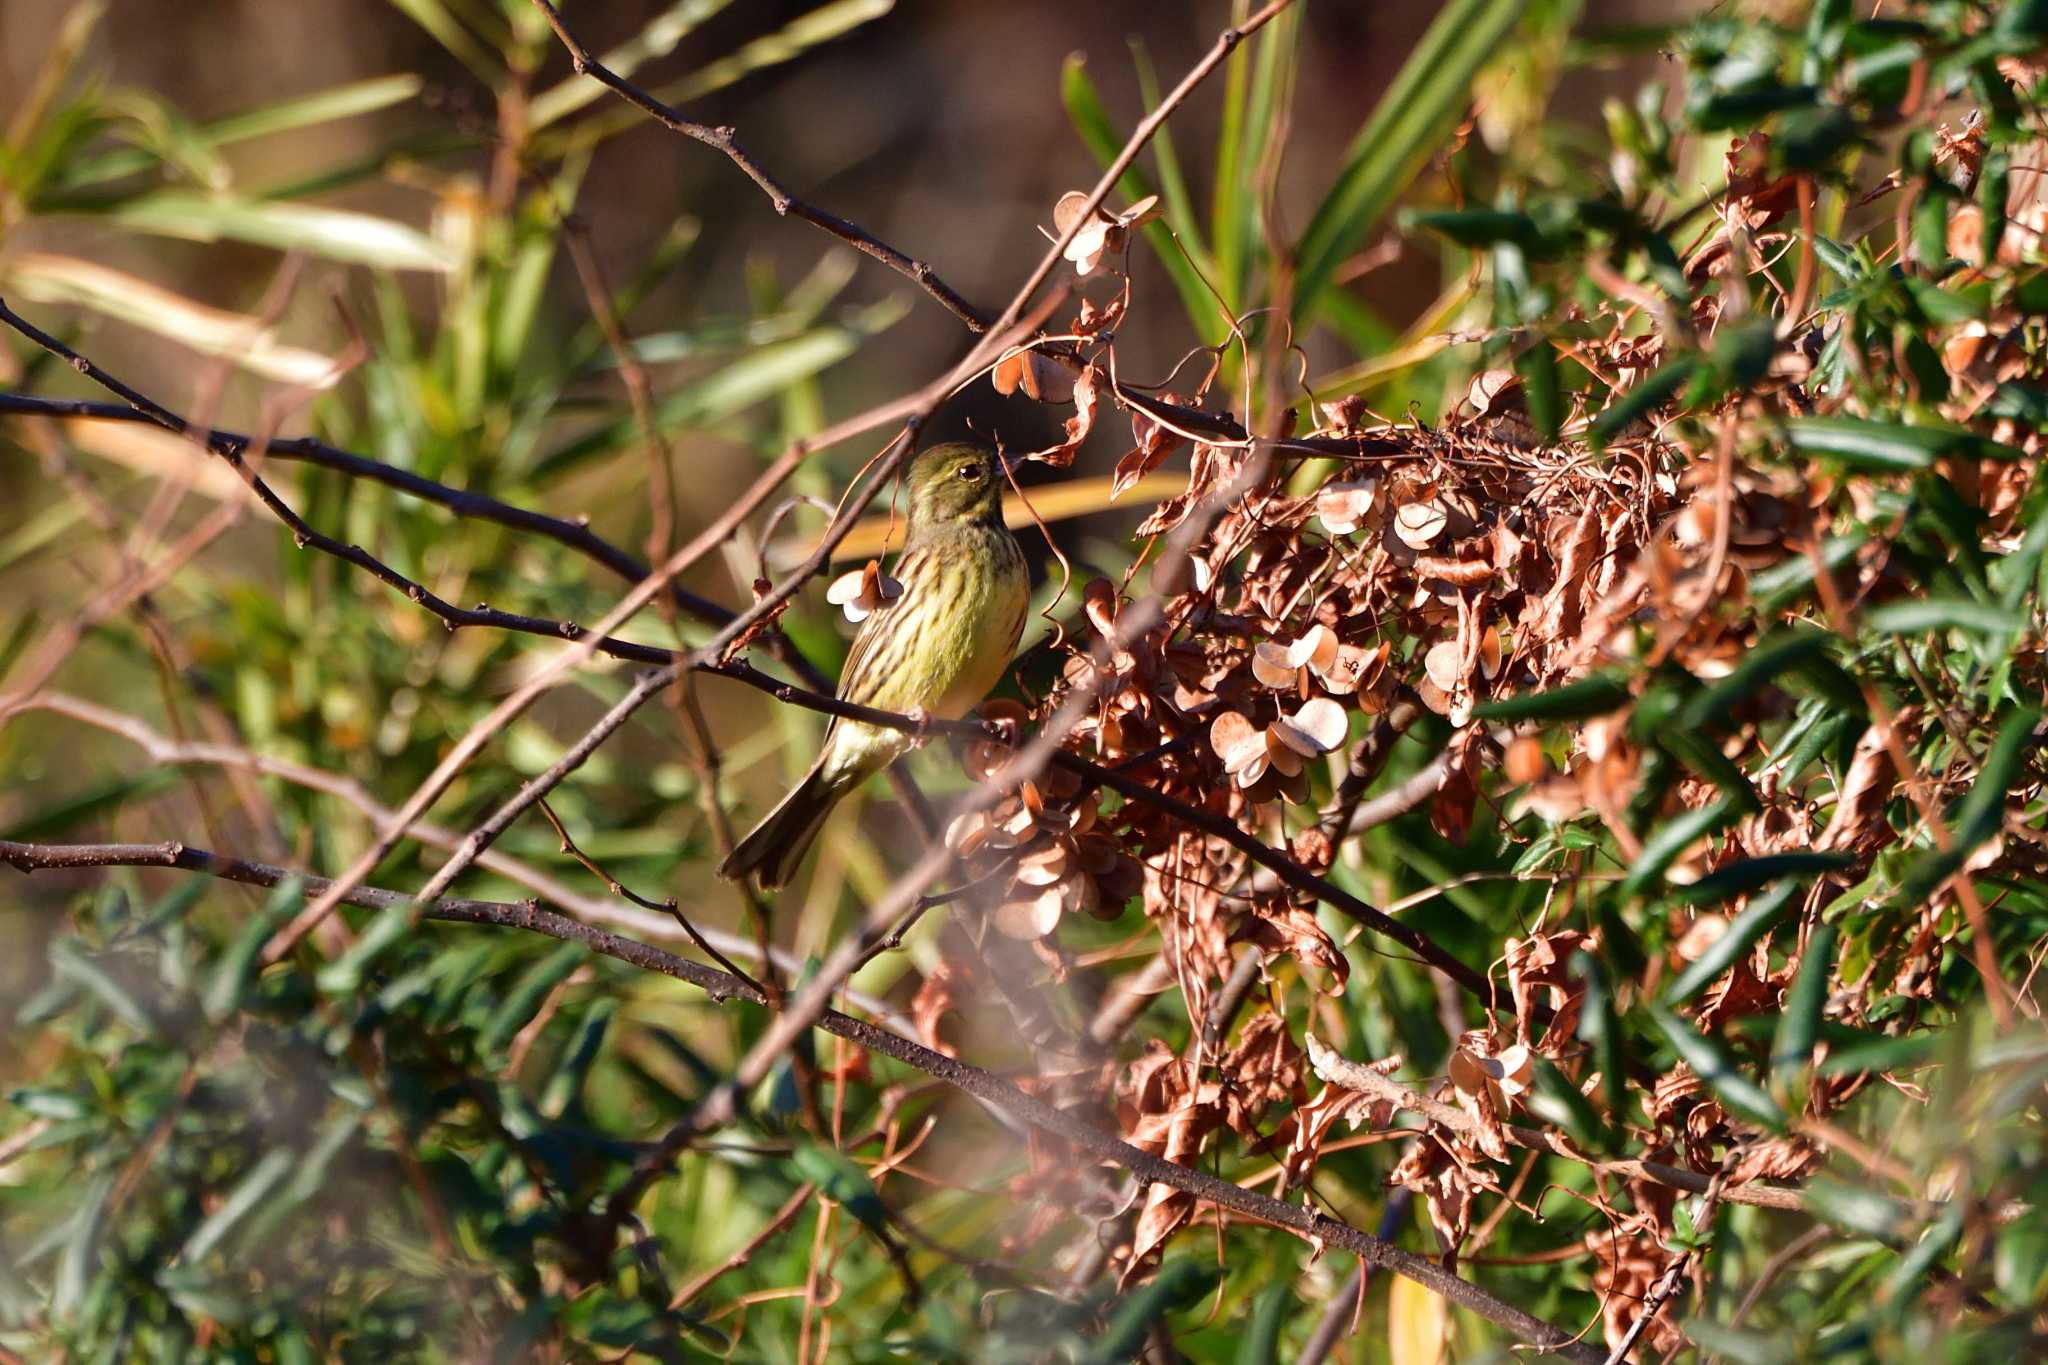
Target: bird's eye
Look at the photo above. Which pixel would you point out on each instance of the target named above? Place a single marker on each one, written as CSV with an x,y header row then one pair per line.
x,y
970,472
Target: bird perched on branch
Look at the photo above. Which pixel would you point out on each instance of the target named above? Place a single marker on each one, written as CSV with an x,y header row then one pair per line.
x,y
935,650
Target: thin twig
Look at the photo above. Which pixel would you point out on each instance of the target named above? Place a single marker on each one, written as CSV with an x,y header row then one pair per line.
x,y
784,1216
726,140
162,749
1667,1284
618,888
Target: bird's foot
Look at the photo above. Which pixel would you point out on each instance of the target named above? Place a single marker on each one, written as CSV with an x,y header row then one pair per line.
x,y
921,724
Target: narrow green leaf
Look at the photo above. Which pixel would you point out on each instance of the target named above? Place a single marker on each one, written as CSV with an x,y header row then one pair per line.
x,y
447,30
1478,227
842,1180
1740,109
1979,814
1746,875
1260,1344
1412,116
1888,446
1917,615
1091,121
1176,201
1178,1284
1556,1101
1718,1070
74,964
1601,1030
2019,1264
1536,366
1597,695
2026,403
1676,835
752,378
1742,1347
232,972
1881,1054
334,234
60,1106
1799,1021
1228,220
1275,52
1858,1210
26,625
1647,396
1901,1286
1756,922
344,975
2015,576
808,30
1777,653
527,995
1706,760
567,1079
331,105
81,1244
265,1176
321,107
656,39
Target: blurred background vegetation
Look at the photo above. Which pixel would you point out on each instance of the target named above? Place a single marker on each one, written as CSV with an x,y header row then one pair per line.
x,y
390,225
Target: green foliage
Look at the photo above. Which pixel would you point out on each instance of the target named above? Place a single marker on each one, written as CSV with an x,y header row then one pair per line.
x,y
399,1142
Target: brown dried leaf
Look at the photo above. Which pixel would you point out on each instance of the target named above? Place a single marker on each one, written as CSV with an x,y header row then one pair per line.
x,y
1418,524
932,1003
1293,930
862,592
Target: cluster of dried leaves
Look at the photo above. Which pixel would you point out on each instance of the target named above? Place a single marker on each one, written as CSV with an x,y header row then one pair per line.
x,y
1648,572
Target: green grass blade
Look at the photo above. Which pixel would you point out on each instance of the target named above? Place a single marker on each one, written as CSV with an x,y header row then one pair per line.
x,y
1226,222
1178,203
1272,80
1420,106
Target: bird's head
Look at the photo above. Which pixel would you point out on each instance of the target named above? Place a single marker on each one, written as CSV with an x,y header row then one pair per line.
x,y
956,483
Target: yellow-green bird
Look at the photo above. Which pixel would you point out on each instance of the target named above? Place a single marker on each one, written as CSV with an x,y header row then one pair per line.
x,y
936,650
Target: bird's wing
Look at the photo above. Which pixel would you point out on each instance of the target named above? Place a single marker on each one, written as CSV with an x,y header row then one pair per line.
x,y
871,630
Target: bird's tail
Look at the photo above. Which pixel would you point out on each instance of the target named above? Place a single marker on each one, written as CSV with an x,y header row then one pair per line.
x,y
772,853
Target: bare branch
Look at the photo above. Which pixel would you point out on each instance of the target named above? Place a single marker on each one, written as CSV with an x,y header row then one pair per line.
x,y
726,140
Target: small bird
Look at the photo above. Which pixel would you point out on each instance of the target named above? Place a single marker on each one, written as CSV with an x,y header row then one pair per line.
x,y
935,651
